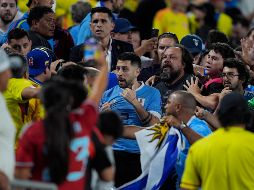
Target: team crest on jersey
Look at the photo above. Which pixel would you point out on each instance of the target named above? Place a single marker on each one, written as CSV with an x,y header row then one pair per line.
x,y
195,42
141,101
31,61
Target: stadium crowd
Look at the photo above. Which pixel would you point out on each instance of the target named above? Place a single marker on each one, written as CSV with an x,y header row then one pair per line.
x,y
80,79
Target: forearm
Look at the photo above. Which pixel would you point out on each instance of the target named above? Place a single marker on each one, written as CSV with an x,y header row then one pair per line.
x,y
213,122
30,92
191,135
146,118
140,51
206,101
130,130
100,84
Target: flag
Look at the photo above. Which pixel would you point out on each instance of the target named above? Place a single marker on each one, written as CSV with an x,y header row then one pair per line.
x,y
157,162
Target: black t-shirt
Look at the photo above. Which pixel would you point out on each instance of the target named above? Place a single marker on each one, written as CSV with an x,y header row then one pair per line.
x,y
166,89
38,40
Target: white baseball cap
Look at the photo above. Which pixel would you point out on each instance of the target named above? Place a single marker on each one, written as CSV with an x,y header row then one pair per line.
x,y
4,61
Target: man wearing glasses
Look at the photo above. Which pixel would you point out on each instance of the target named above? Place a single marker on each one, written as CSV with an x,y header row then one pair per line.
x,y
235,77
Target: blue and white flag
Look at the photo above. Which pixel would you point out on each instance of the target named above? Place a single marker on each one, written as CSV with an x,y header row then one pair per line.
x,y
157,162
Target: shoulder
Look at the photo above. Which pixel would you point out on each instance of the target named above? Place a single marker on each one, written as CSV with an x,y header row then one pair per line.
x,y
200,126
120,44
151,89
32,130
162,12
20,82
113,90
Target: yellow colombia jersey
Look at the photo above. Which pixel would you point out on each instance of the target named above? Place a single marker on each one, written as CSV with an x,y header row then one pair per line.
x,y
168,21
221,161
22,111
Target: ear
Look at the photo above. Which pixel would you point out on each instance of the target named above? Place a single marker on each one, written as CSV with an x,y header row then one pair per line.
x,y
113,34
26,75
36,3
35,24
178,107
138,70
112,25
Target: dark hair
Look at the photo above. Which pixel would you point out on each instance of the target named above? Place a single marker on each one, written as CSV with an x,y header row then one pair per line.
x,y
234,116
101,10
130,56
242,20
233,111
59,97
73,72
110,123
187,59
241,69
19,65
169,35
224,49
186,99
17,33
37,13
79,11
215,36
29,3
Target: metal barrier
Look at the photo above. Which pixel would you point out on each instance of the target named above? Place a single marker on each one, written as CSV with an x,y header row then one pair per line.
x,y
31,185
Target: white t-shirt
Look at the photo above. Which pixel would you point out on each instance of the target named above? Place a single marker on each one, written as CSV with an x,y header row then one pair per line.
x,y
7,140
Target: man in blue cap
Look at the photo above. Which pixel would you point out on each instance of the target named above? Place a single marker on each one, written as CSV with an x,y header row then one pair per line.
x,y
39,62
123,30
194,45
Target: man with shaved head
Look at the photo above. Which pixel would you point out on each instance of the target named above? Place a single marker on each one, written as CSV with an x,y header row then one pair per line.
x,y
180,113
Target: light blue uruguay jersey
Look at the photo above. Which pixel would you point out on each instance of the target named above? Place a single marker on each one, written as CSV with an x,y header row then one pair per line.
x,y
150,99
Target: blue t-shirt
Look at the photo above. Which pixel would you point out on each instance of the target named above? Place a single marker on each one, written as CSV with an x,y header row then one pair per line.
x,y
150,99
200,127
74,33
84,29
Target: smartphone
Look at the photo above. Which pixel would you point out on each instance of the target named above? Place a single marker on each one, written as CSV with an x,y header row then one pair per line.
x,y
154,33
91,49
199,70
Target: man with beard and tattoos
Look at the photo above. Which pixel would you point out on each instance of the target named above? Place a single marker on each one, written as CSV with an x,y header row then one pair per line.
x,y
138,105
176,68
8,11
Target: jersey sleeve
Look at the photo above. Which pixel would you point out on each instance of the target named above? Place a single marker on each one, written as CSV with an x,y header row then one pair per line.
x,y
155,104
16,87
190,179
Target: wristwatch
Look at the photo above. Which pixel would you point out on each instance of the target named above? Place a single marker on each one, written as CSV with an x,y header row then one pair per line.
x,y
182,125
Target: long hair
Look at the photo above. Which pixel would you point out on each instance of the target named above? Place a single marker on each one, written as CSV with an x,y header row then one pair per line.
x,y
59,98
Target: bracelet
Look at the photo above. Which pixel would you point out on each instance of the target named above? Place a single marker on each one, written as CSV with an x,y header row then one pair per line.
x,y
147,119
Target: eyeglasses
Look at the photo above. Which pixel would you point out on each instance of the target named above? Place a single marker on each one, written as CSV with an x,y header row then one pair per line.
x,y
229,75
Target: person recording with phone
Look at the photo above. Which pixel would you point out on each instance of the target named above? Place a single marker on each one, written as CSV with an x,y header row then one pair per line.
x,y
101,26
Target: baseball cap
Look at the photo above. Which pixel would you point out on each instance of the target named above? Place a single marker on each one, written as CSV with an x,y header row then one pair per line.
x,y
192,43
122,25
38,60
232,101
4,61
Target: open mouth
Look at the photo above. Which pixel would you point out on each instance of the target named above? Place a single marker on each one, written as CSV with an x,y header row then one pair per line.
x,y
226,84
98,31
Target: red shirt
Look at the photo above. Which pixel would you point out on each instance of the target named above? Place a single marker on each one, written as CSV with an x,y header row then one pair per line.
x,y
31,148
